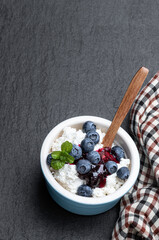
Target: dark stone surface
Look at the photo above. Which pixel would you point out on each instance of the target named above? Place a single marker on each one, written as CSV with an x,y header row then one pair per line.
x,y
60,59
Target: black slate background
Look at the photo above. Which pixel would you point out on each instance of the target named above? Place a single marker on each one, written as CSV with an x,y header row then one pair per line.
x,y
60,59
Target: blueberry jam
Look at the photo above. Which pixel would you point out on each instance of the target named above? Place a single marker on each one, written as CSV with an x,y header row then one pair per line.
x,y
96,177
106,155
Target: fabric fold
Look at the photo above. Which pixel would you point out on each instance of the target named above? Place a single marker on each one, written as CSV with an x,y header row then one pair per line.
x,y
139,208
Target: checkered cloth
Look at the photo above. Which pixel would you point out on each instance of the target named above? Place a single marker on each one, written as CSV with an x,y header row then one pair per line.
x,y
139,209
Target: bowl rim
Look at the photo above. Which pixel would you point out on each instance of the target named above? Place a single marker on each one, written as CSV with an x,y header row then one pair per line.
x,y
135,163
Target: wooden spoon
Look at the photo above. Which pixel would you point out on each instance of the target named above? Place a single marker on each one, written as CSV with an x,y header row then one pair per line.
x,y
125,105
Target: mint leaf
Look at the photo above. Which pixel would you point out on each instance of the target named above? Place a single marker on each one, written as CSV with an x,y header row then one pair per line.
x,y
70,159
66,157
56,154
66,147
57,164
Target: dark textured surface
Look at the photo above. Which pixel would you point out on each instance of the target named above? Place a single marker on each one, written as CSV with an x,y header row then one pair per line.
x,y
60,59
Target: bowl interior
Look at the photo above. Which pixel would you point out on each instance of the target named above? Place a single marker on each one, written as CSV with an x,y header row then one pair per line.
x,y
122,138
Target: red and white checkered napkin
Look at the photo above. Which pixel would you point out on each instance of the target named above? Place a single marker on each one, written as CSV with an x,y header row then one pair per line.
x,y
139,209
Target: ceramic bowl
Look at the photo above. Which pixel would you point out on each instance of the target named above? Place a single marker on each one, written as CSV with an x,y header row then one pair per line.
x,y
84,205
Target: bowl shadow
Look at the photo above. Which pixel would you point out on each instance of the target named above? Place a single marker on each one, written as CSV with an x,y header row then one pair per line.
x,y
51,214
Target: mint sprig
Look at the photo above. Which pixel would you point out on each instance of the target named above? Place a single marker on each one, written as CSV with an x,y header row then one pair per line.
x,y
59,158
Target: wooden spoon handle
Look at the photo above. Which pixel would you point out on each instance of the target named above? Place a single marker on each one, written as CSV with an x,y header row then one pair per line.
x,y
125,105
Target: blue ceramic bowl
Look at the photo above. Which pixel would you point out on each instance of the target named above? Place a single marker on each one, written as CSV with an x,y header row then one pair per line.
x,y
83,205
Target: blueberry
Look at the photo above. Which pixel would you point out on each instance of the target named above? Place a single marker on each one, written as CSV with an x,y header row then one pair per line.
x,y
49,158
118,151
93,157
87,145
93,135
123,173
76,152
83,166
111,166
88,126
84,191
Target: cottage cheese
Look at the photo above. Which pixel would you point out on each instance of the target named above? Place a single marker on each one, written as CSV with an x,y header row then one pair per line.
x,y
67,176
